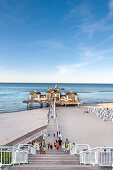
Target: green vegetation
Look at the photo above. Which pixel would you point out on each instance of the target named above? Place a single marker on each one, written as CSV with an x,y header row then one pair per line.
x,y
6,157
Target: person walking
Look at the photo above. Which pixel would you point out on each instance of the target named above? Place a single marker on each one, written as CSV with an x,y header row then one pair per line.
x,y
66,143
48,146
57,133
44,147
60,143
40,147
51,146
57,145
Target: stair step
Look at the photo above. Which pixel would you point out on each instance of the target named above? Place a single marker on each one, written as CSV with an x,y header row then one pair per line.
x,y
55,163
64,157
51,158
55,151
62,153
52,155
54,167
48,155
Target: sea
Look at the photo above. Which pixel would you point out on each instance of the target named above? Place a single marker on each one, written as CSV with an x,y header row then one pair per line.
x,y
13,94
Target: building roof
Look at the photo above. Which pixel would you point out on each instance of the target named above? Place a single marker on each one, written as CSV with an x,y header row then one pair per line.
x,y
35,92
70,93
42,95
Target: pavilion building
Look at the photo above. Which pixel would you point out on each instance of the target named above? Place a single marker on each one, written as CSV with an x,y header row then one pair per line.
x,y
54,94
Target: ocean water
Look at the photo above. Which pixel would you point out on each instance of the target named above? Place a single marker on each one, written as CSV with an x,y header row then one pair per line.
x,y
12,94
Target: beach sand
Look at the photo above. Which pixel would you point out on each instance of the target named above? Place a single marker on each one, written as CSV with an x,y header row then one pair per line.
x,y
99,105
16,124
84,128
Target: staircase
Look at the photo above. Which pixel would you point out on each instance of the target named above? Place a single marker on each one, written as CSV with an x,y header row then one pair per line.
x,y
54,159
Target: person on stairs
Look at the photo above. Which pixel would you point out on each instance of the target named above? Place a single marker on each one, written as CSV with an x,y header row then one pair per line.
x,y
57,145
48,146
60,143
40,147
51,146
44,147
66,143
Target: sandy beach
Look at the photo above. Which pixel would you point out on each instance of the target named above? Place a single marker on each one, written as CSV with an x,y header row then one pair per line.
x,y
99,105
85,128
16,124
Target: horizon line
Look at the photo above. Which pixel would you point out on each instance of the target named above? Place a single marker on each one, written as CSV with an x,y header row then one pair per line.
x,y
54,83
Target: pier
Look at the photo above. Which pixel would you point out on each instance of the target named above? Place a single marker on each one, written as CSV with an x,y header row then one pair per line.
x,y
53,95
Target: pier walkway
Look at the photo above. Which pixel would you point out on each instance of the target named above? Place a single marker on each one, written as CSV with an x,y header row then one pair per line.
x,y
53,159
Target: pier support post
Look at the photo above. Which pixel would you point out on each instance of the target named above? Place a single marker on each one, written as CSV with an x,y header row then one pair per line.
x,y
27,105
41,105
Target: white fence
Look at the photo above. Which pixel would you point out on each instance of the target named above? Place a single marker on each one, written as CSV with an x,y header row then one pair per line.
x,y
101,156
27,147
12,155
5,156
19,157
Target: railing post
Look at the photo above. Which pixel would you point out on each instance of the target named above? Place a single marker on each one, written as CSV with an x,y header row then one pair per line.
x,y
54,110
1,157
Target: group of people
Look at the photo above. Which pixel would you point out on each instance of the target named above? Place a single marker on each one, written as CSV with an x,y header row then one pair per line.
x,y
42,147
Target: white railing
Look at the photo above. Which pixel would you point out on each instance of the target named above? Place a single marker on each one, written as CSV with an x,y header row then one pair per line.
x,y
5,156
19,157
102,156
10,155
27,147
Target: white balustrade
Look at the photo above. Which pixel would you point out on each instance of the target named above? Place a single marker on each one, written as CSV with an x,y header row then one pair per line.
x,y
98,156
10,155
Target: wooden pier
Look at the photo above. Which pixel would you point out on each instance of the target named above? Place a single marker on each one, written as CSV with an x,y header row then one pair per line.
x,y
53,95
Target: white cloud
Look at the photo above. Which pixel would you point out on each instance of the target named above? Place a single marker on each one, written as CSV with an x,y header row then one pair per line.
x,y
90,24
94,54
67,73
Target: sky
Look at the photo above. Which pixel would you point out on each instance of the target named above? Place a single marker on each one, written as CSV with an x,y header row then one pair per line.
x,y
63,41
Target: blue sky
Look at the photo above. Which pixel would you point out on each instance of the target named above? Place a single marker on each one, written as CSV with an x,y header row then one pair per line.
x,y
56,41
